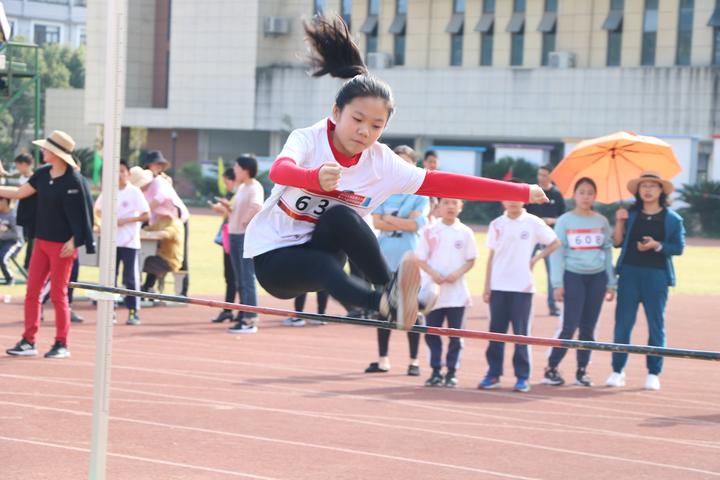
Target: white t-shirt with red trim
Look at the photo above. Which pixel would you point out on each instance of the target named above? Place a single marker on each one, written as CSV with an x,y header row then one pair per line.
x,y
512,242
289,215
446,248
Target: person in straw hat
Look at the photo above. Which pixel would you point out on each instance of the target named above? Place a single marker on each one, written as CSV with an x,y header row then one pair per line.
x,y
649,234
63,223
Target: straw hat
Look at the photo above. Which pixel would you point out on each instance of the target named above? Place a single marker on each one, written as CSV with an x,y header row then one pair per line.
x,y
61,144
140,177
633,184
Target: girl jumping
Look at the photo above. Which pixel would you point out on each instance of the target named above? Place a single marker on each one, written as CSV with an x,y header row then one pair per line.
x,y
332,174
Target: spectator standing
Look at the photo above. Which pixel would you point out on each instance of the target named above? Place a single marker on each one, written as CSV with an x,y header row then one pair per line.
x,y
582,275
509,286
446,253
222,206
64,222
400,220
10,239
650,234
549,212
132,211
248,201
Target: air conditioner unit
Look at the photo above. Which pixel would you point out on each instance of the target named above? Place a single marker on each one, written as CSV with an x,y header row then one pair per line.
x,y
561,60
276,26
378,60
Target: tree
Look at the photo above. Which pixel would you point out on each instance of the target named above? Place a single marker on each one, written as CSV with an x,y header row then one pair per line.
x,y
60,66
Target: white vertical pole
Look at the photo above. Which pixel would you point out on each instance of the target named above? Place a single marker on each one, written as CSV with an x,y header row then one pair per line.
x,y
115,52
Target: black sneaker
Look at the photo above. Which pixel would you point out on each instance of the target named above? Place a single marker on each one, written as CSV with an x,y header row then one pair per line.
x,y
436,379
58,350
242,327
133,318
552,377
582,378
224,315
22,349
401,294
75,318
413,371
450,379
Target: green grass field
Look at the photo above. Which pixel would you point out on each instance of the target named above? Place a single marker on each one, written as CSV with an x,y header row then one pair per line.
x,y
697,269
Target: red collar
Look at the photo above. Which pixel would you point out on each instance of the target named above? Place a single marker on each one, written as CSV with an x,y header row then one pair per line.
x,y
343,160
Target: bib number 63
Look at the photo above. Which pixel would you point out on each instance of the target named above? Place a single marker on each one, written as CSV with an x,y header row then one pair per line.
x,y
305,203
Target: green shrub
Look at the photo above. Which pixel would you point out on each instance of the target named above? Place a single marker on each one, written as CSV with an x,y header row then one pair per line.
x,y
703,210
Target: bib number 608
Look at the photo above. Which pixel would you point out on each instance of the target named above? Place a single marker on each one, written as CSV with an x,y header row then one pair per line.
x,y
303,203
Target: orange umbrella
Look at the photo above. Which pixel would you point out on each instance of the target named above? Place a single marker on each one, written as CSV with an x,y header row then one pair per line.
x,y
612,161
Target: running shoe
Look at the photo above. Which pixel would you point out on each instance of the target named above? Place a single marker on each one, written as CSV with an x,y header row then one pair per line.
x,y
552,377
582,378
401,294
242,327
616,380
58,350
489,383
522,385
22,349
293,322
436,379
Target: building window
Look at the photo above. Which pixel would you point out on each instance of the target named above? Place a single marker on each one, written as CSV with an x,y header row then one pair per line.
x,y
46,34
318,7
57,2
714,22
649,36
81,36
80,3
548,27
684,41
456,29
398,29
516,28
614,24
346,11
370,27
486,27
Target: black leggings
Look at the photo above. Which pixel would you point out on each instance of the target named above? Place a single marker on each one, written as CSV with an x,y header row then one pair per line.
x,y
383,338
322,301
318,264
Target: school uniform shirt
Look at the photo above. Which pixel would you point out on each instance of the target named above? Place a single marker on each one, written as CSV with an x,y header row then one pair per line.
x,y
446,248
246,202
394,244
130,203
289,215
512,242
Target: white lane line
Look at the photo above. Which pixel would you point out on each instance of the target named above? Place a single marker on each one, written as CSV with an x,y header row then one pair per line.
x,y
139,459
269,440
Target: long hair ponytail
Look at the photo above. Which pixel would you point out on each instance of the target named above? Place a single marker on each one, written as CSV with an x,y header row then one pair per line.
x,y
335,53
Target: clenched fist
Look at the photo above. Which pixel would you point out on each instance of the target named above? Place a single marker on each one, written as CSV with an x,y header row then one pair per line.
x,y
537,195
329,176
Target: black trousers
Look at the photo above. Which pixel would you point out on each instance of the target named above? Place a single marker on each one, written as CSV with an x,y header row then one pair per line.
x,y
322,301
383,339
318,264
131,275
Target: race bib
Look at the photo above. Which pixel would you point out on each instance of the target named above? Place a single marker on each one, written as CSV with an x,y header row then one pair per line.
x,y
586,238
309,206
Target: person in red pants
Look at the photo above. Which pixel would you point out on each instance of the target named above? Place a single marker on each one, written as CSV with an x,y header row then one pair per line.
x,y
63,223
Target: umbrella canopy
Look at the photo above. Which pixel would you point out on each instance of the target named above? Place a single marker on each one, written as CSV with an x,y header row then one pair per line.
x,y
612,161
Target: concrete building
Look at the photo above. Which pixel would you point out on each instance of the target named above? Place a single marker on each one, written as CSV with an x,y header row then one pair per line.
x,y
48,21
218,78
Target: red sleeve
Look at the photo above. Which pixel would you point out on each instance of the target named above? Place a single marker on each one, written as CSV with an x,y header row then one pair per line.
x,y
284,171
453,185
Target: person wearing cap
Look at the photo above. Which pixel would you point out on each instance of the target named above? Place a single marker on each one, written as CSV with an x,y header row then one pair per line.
x,y
165,224
64,222
156,162
650,233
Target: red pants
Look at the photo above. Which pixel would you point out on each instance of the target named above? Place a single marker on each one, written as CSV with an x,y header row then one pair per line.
x,y
46,262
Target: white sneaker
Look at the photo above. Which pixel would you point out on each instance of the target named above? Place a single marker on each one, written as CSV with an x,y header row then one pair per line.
x,y
616,380
293,322
652,382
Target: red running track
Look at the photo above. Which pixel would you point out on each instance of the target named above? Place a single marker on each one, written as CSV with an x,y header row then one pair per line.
x,y
189,401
